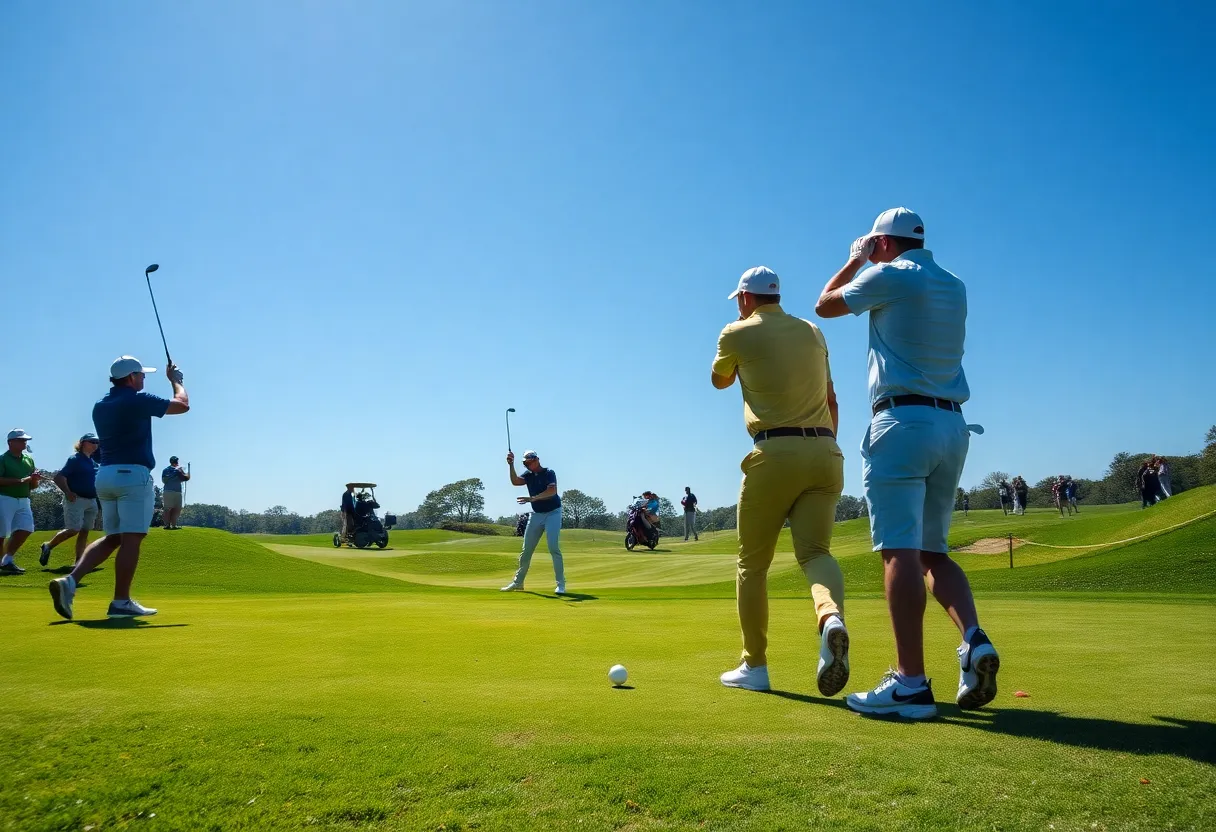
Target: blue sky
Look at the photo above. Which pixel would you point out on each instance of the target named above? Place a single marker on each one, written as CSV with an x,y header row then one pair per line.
x,y
380,224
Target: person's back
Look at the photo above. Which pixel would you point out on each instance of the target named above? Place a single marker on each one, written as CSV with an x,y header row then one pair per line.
x,y
910,295
776,384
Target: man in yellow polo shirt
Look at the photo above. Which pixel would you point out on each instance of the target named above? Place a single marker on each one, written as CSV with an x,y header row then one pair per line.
x,y
795,471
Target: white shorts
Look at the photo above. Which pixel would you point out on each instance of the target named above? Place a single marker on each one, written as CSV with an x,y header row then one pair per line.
x,y
80,514
171,499
128,498
15,515
912,460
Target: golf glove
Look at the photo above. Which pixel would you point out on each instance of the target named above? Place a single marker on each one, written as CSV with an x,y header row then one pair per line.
x,y
861,249
176,376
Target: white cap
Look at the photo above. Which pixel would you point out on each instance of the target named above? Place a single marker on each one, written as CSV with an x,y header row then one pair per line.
x,y
124,365
899,222
18,433
530,455
758,281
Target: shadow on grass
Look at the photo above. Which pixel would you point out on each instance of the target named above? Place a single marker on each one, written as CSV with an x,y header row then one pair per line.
x,y
833,702
623,687
115,624
1188,738
572,597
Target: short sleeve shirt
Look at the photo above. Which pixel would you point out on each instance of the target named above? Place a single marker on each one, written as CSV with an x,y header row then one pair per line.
x,y
80,471
18,467
783,369
172,478
123,421
690,502
918,323
538,483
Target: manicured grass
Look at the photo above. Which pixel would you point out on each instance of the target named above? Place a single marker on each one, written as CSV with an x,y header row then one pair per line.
x,y
335,689
395,711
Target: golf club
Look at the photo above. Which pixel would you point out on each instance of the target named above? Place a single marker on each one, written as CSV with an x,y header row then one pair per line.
x,y
510,410
148,271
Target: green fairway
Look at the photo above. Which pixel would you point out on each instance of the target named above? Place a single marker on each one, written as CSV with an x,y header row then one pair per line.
x,y
346,689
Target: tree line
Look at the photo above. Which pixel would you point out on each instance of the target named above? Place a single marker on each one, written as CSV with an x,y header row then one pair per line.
x,y
463,501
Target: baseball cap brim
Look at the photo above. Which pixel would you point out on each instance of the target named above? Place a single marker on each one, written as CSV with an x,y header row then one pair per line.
x,y
733,294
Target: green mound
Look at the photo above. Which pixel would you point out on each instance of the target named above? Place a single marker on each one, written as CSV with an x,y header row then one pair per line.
x,y
1182,561
400,539
203,559
456,563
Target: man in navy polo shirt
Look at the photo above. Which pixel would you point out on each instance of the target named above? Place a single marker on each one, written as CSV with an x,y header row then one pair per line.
x,y
123,418
546,518
77,479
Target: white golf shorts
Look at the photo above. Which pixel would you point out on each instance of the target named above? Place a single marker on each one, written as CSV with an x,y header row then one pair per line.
x,y
912,460
127,498
15,515
80,514
172,499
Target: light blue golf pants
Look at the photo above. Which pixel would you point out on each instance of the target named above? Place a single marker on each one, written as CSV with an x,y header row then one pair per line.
x,y
548,523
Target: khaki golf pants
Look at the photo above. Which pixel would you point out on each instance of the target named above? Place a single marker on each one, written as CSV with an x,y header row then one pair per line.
x,y
799,479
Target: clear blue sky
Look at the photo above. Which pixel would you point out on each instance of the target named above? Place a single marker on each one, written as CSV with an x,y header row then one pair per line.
x,y
380,224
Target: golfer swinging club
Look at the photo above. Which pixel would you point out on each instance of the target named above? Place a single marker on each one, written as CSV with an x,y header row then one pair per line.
x,y
913,452
546,518
123,419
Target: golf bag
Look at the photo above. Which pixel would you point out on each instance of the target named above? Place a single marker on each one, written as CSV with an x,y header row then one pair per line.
x,y
638,530
521,523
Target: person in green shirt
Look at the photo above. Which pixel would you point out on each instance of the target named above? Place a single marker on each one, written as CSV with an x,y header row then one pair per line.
x,y
18,477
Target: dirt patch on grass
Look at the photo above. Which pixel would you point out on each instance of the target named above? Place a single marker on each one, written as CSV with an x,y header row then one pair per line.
x,y
989,546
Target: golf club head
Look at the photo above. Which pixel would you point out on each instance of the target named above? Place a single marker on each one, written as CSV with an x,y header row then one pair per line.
x,y
151,269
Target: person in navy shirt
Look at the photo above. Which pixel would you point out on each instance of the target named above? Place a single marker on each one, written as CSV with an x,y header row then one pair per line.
x,y
123,419
546,518
77,480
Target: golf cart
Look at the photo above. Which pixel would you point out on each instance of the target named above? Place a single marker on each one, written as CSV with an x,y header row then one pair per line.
x,y
368,530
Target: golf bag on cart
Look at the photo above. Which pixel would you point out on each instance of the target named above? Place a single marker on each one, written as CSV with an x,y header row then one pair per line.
x,y
638,529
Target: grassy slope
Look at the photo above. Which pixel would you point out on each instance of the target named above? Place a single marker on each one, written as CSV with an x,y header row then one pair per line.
x,y
597,562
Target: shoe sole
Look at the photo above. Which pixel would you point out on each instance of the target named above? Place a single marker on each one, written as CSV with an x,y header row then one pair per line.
x,y
836,675
904,711
44,558
984,691
764,689
57,599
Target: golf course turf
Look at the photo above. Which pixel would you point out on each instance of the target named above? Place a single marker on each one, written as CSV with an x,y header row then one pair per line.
x,y
286,684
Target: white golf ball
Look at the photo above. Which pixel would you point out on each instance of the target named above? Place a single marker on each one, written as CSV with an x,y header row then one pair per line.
x,y
617,674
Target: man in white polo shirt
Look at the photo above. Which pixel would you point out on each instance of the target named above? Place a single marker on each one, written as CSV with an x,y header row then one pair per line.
x,y
123,419
913,452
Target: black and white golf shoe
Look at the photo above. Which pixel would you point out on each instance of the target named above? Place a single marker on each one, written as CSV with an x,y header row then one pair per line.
x,y
892,698
978,663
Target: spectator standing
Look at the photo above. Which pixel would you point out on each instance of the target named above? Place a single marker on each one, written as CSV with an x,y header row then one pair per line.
x,y
1152,485
172,477
18,477
1005,492
1163,476
1071,491
689,501
966,504
1021,493
1147,497
348,511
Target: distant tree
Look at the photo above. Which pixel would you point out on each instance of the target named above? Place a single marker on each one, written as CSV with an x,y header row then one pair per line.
x,y
667,511
850,508
579,509
459,501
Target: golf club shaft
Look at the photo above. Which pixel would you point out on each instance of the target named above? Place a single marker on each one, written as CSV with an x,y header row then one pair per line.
x,y
163,342
509,432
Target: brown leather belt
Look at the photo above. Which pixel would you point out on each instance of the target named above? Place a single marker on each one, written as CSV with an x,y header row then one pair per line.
x,y
923,401
773,433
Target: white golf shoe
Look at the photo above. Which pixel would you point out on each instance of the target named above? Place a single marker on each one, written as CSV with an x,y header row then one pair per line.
x,y
128,609
833,673
560,589
891,698
748,678
512,587
63,590
978,663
